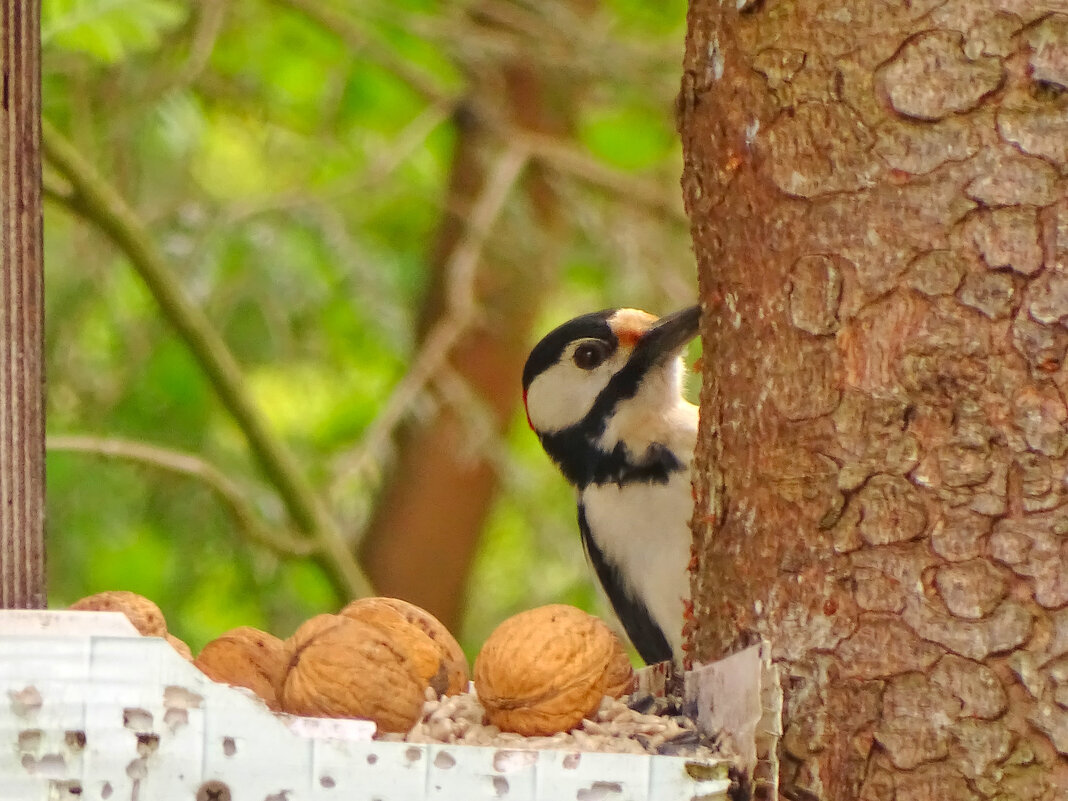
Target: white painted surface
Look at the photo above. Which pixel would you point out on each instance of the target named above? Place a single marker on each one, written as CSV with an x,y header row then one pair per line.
x,y
89,710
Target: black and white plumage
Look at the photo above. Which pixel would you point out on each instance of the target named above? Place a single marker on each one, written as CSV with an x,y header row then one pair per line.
x,y
603,392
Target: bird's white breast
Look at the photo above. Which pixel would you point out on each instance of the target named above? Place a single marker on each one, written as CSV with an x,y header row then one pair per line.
x,y
644,529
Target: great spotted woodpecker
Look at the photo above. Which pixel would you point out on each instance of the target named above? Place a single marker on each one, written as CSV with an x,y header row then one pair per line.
x,y
603,393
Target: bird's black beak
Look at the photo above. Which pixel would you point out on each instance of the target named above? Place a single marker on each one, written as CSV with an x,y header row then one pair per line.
x,y
668,335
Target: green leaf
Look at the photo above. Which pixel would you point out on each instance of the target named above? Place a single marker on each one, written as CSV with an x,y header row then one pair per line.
x,y
108,30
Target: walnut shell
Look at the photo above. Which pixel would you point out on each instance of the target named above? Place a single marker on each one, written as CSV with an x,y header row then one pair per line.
x,y
345,667
143,613
544,670
246,657
456,670
178,645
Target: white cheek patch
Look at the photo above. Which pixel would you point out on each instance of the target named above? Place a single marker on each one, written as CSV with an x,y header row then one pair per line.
x,y
562,395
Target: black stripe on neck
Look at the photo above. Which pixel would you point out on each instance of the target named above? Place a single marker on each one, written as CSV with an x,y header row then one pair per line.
x,y
576,452
648,638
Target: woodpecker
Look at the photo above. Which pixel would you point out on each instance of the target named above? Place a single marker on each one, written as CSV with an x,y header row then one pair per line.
x,y
603,392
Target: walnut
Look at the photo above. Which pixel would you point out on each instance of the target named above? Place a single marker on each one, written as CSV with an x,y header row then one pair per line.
x,y
544,670
143,613
178,645
342,666
373,609
249,658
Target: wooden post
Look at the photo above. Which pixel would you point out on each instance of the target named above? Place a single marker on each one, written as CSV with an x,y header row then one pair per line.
x,y
22,580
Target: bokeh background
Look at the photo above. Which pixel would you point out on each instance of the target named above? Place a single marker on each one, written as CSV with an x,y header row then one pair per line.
x,y
341,188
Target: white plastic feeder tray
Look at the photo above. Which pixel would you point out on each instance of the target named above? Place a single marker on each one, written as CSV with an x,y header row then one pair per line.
x,y
91,710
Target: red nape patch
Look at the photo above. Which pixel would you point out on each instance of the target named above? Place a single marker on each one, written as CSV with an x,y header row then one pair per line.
x,y
630,325
628,337
526,411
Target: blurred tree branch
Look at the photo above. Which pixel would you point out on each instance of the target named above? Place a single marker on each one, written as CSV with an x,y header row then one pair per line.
x,y
564,158
556,152
461,303
484,293
401,148
358,40
186,464
209,24
96,201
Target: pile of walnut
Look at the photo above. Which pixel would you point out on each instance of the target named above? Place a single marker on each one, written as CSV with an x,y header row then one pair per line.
x,y
547,678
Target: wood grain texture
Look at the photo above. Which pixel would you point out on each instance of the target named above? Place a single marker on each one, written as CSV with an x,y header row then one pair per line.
x,y
22,558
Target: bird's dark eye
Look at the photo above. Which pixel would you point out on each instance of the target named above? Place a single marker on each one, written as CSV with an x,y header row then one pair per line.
x,y
589,355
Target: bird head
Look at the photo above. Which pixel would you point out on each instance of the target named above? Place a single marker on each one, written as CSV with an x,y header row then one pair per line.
x,y
581,373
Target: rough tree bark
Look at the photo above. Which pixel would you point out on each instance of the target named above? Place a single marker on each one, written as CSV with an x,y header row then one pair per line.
x,y
878,199
22,559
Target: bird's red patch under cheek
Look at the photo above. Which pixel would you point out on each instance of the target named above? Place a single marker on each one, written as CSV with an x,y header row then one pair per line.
x,y
526,411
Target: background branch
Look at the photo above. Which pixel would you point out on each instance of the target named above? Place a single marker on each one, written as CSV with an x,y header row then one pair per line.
x,y
566,159
484,292
461,310
98,202
327,212
358,39
186,464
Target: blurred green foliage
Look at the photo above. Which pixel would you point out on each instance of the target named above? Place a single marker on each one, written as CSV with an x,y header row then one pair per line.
x,y
295,182
106,30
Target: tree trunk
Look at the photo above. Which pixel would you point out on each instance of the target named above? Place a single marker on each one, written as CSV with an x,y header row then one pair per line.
x,y
22,561
879,209
431,512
